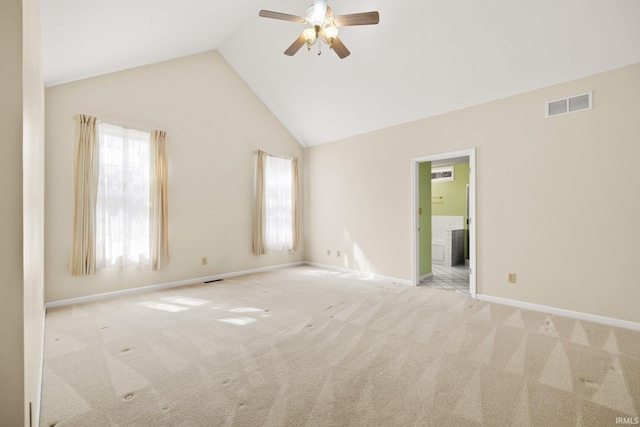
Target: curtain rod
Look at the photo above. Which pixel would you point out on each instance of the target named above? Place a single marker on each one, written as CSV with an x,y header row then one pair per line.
x,y
273,155
122,125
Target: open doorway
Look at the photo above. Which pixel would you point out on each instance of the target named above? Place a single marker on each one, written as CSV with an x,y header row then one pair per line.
x,y
426,251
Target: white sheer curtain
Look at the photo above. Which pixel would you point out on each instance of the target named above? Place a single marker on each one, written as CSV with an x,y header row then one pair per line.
x,y
278,188
122,211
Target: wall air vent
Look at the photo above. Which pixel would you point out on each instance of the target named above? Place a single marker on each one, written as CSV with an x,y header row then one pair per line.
x,y
569,105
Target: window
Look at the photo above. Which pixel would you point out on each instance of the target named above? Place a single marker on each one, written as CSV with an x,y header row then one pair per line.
x,y
442,174
121,207
123,197
275,225
278,189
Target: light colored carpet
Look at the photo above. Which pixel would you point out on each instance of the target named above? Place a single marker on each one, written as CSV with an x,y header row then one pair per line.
x,y
305,346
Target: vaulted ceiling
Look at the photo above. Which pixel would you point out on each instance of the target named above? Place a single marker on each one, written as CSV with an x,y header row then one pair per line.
x,y
425,57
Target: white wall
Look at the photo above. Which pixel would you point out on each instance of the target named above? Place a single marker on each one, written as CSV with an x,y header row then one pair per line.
x,y
214,123
21,211
33,203
557,198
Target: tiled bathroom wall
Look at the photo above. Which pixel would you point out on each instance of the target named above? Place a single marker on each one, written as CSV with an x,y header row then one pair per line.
x,y
440,224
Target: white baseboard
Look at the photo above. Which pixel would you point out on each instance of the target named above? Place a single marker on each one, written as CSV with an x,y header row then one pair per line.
x,y
360,273
562,312
425,276
124,292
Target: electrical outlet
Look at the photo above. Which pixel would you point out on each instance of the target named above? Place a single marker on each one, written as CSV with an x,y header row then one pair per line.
x,y
204,260
338,254
328,251
511,278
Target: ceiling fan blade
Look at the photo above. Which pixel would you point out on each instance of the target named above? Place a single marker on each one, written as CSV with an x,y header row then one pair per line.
x,y
364,18
339,48
282,16
295,46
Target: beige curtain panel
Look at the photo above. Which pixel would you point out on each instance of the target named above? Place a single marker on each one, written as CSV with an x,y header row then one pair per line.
x,y
83,253
259,247
159,215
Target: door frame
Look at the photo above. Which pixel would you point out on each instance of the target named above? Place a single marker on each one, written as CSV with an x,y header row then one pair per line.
x,y
415,250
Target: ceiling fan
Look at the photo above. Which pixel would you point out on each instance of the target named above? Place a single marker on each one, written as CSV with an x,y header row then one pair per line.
x,y
324,25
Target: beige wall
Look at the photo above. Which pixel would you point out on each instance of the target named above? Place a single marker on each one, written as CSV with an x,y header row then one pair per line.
x,y
11,309
214,123
21,211
543,196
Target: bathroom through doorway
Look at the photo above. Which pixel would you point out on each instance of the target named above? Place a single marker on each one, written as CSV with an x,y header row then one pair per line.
x,y
444,244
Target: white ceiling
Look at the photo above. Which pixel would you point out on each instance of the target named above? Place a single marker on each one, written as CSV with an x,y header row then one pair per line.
x,y
426,57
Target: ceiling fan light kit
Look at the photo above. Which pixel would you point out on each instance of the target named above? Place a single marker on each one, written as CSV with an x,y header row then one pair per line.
x,y
323,25
310,36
